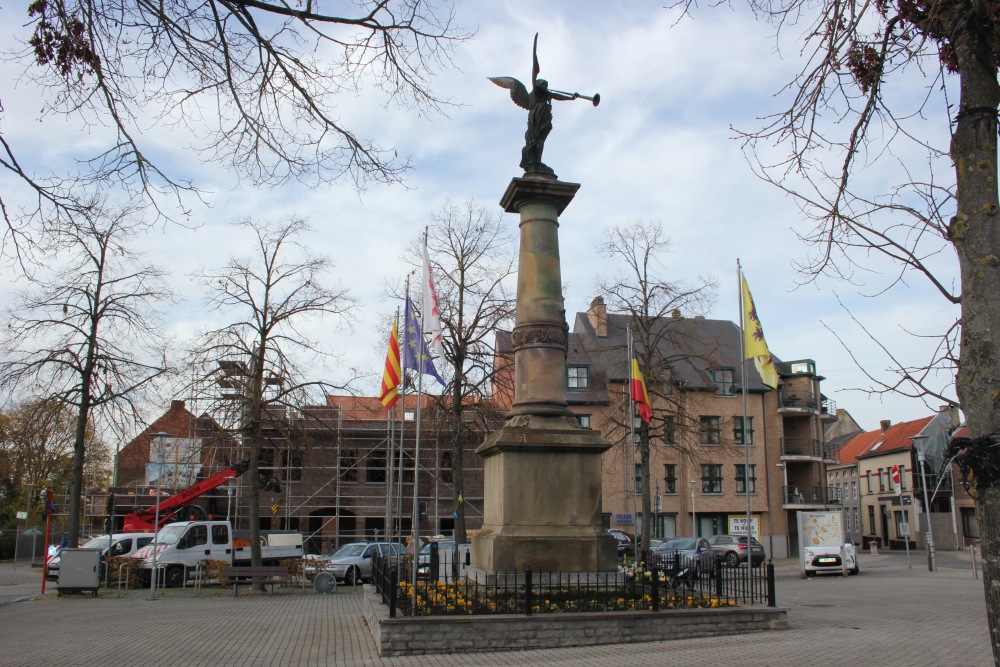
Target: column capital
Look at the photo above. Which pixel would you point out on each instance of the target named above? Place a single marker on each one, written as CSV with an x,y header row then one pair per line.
x,y
530,189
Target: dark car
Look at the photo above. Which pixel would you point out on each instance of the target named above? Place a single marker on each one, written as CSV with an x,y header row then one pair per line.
x,y
690,555
626,545
732,550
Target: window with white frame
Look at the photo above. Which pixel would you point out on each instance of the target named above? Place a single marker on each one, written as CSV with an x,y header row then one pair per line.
x,y
577,377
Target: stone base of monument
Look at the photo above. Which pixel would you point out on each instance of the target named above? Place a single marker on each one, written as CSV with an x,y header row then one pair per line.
x,y
423,635
543,477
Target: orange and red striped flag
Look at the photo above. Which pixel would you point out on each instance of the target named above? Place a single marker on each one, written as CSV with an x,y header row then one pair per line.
x,y
391,375
639,394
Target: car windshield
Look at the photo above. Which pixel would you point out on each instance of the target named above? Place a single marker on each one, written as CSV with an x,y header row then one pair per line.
x,y
350,550
169,535
96,543
679,543
444,544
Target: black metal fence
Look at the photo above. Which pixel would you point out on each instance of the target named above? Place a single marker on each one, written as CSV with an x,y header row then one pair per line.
x,y
671,583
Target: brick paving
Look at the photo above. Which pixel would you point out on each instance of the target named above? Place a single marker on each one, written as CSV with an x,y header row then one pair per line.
x,y
890,615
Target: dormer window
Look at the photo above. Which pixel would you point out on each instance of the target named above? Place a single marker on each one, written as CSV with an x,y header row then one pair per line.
x,y
577,377
724,380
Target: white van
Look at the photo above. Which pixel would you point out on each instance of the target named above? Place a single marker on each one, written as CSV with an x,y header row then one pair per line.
x,y
122,544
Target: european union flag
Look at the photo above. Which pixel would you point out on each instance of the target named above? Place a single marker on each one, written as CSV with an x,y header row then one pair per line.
x,y
415,354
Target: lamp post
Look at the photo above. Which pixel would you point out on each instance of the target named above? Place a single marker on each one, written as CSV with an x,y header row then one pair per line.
x,y
160,438
920,442
694,523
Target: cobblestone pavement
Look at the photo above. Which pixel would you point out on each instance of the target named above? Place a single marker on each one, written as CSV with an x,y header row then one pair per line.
x,y
890,615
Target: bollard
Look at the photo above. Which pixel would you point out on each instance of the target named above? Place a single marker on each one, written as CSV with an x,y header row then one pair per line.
x,y
527,592
772,598
654,588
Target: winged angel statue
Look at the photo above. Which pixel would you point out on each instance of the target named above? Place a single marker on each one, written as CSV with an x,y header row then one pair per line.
x,y
538,103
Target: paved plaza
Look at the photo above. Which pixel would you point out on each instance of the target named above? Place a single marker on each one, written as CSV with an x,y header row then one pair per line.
x,y
890,615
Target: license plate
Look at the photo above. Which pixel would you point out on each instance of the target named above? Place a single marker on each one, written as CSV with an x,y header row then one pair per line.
x,y
826,560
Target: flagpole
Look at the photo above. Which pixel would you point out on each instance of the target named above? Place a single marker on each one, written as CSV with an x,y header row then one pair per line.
x,y
631,426
390,428
743,426
415,527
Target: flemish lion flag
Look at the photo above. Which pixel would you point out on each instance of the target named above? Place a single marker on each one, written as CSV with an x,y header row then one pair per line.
x,y
390,376
639,394
754,345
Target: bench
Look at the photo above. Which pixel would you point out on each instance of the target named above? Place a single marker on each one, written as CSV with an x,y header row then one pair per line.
x,y
247,576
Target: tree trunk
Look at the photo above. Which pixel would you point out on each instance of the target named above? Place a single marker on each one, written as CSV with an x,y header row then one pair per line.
x,y
975,230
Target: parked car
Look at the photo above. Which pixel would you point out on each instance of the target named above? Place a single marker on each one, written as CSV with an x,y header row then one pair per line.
x,y
122,544
732,550
690,555
352,562
828,559
626,545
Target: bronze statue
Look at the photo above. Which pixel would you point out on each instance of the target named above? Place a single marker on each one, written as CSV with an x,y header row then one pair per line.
x,y
539,105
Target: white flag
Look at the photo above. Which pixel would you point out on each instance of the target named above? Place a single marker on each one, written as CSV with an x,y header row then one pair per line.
x,y
430,311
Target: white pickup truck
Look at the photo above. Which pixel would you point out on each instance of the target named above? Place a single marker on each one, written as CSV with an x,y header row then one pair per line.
x,y
180,547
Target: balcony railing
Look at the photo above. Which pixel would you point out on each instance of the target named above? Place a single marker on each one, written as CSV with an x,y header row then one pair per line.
x,y
801,446
811,495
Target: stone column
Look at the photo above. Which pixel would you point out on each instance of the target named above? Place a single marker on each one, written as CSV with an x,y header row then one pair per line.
x,y
543,472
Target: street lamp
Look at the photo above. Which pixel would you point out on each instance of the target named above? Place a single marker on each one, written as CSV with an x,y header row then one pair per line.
x,y
920,442
161,441
694,524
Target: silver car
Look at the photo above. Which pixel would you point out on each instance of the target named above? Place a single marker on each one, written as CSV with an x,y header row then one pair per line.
x,y
352,562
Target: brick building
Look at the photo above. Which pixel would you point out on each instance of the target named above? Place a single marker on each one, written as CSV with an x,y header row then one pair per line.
x,y
331,462
698,469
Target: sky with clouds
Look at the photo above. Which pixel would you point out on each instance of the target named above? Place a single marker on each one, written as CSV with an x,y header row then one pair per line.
x,y
660,146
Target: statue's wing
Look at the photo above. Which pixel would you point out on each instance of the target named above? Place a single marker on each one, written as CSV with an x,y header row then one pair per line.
x,y
518,92
534,62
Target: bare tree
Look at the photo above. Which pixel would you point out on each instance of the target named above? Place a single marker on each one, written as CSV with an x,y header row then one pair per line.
x,y
255,84
845,121
473,255
641,291
262,354
86,334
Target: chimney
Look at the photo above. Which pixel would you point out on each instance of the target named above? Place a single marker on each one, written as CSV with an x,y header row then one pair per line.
x,y
598,315
885,424
176,405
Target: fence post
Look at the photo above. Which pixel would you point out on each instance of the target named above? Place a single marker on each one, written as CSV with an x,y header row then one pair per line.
x,y
771,594
434,574
527,592
393,586
654,589
717,577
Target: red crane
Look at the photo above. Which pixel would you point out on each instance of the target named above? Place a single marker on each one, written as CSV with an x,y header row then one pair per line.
x,y
180,503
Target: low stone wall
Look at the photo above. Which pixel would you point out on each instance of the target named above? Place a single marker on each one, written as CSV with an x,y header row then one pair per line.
x,y
443,634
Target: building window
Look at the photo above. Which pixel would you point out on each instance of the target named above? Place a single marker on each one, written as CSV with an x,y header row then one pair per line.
x,y
868,476
711,478
723,379
709,430
738,430
902,477
669,478
446,469
881,481
577,377
349,465
741,478
854,490
291,461
638,476
376,468
669,430
583,420
970,523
